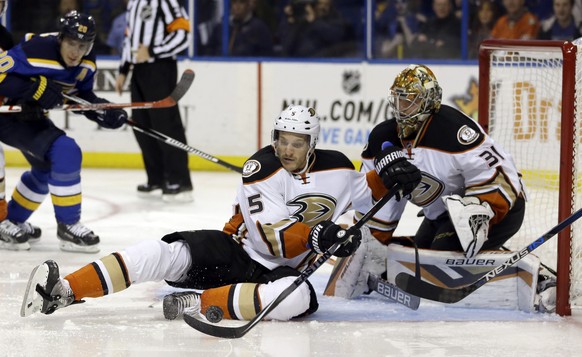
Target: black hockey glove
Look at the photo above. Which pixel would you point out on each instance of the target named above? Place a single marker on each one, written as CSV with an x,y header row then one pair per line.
x,y
46,92
30,111
394,169
324,234
111,119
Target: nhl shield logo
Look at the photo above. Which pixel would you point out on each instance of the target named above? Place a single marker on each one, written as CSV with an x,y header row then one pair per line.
x,y
351,82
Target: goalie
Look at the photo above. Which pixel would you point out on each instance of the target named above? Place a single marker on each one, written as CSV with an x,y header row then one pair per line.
x,y
471,193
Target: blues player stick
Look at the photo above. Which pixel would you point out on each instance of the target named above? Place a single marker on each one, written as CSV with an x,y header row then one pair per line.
x,y
168,140
181,88
429,291
239,331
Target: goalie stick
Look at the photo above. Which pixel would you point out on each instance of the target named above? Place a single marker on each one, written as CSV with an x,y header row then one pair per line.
x,y
239,331
179,91
393,292
169,140
421,288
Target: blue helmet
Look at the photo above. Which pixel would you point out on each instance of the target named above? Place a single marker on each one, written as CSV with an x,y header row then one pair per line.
x,y
77,26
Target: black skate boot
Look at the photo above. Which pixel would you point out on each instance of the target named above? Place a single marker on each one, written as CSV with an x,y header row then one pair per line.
x,y
77,238
46,291
32,231
12,237
176,303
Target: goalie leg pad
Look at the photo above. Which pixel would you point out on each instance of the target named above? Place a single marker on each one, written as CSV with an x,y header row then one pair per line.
x,y
349,278
514,289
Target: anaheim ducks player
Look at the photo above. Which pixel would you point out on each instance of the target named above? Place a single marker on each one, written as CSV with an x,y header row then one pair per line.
x,y
471,193
289,197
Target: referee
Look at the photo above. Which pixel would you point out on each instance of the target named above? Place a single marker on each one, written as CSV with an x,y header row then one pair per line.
x,y
157,31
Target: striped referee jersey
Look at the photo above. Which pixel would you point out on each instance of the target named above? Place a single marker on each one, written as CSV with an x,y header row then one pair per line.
x,y
162,25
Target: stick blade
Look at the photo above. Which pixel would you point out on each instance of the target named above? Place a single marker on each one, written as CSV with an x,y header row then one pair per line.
x,y
432,292
32,301
393,292
183,85
197,323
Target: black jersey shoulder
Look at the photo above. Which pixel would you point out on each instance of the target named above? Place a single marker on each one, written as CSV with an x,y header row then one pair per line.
x,y
452,131
261,165
381,133
330,160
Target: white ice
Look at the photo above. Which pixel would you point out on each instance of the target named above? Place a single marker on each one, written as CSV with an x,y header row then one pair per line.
x,y
130,323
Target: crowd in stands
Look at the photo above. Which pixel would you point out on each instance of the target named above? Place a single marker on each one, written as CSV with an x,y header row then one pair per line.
x,y
329,28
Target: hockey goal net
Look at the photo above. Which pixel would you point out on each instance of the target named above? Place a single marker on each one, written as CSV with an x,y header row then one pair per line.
x,y
529,96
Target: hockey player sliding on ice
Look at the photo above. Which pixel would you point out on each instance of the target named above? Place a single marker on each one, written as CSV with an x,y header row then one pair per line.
x,y
34,75
290,195
471,192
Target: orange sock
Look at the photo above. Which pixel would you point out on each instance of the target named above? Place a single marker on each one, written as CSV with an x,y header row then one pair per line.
x,y
105,276
246,295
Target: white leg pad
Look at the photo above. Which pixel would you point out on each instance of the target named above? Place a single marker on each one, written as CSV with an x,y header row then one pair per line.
x,y
349,278
514,289
156,260
293,305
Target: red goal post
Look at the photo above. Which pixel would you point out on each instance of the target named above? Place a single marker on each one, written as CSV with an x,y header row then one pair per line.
x,y
529,95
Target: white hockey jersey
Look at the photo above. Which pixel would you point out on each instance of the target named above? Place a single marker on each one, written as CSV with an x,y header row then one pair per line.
x,y
275,209
455,157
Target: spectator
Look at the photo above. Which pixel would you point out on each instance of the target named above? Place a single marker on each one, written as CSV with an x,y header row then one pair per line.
x,y
482,23
398,30
36,16
517,24
439,38
561,26
117,33
304,33
248,36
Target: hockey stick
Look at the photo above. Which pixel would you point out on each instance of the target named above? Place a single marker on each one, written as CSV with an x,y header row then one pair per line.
x,y
392,292
179,91
429,291
237,332
168,140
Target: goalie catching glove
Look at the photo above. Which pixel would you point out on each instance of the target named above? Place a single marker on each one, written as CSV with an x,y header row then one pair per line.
x,y
110,119
325,234
394,169
470,218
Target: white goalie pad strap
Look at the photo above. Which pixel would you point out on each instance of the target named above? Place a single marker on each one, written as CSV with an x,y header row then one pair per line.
x,y
349,278
471,219
514,289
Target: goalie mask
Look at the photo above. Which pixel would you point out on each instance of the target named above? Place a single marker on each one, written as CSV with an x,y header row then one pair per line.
x,y
298,119
79,27
414,96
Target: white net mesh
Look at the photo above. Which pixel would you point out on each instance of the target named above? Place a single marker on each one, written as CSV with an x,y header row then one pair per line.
x,y
525,106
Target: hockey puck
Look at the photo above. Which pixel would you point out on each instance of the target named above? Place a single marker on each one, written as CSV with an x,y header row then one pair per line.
x,y
214,314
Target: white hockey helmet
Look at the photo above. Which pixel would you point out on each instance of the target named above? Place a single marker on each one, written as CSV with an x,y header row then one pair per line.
x,y
414,95
297,119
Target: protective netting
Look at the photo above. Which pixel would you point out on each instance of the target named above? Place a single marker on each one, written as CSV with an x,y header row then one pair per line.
x,y
525,105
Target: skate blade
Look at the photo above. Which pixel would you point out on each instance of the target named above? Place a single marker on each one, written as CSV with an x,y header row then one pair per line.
x,y
14,246
182,197
32,301
70,247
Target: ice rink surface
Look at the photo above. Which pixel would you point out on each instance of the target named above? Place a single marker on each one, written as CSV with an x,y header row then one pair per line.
x,y
130,323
